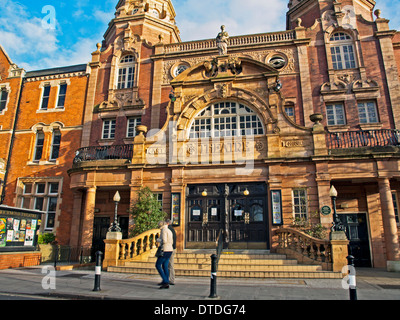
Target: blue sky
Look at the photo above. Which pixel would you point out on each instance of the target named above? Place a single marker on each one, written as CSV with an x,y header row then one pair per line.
x,y
80,24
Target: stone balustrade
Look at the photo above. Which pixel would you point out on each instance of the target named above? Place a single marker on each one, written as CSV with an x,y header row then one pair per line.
x,y
133,247
304,248
233,41
118,251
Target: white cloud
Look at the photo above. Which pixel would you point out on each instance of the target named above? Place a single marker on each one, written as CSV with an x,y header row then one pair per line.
x,y
202,19
33,47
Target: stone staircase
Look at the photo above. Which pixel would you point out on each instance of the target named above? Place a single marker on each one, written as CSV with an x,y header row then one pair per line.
x,y
232,264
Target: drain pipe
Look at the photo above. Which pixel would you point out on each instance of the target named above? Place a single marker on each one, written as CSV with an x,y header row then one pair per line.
x,y
3,192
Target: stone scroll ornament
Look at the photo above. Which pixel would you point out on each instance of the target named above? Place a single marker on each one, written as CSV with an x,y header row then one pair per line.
x,y
222,42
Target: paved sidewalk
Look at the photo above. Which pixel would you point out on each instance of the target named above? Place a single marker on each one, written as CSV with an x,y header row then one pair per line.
x,y
372,284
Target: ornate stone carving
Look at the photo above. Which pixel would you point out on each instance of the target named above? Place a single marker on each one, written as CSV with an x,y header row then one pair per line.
x,y
222,42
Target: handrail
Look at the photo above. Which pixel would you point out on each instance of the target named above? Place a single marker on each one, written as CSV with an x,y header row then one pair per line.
x,y
363,138
133,247
301,244
220,244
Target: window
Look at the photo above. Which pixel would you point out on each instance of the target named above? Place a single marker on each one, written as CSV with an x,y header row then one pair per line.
x,y
26,201
179,69
55,146
159,197
367,112
39,146
53,187
42,196
290,112
3,99
342,51
109,129
396,207
61,95
45,97
51,212
126,72
131,126
300,203
335,114
226,119
40,188
277,62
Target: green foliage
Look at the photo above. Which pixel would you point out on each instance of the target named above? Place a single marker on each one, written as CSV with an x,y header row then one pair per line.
x,y
146,213
46,238
316,230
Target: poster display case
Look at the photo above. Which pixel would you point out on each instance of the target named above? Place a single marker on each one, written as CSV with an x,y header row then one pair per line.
x,y
19,229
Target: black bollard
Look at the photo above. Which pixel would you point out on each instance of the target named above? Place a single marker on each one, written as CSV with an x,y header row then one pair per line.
x,y
213,287
56,257
352,278
97,274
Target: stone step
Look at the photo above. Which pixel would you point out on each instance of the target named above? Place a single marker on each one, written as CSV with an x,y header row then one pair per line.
x,y
229,267
233,256
232,261
236,274
236,264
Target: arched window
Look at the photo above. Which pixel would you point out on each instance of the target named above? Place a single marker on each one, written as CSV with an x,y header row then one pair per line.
x,y
342,51
226,119
126,72
39,146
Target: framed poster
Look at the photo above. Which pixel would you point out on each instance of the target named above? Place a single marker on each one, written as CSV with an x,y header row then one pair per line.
x,y
276,204
176,209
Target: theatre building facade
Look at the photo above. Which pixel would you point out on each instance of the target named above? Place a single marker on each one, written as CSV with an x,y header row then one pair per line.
x,y
244,133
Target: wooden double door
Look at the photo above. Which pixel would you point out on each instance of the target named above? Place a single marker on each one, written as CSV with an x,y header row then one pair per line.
x,y
239,210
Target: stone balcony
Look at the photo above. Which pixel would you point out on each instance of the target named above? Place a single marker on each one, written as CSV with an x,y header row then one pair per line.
x,y
234,42
363,142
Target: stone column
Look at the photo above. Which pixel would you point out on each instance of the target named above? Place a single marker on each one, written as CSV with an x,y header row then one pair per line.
x,y
324,199
304,67
157,91
76,218
339,244
88,218
389,225
90,97
385,37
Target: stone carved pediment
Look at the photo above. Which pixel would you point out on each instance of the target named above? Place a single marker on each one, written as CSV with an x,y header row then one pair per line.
x,y
225,66
122,99
337,86
366,85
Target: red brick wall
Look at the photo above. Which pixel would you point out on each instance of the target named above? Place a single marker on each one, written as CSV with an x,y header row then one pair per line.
x,y
19,260
22,154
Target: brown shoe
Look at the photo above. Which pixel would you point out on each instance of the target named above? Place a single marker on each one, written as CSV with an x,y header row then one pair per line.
x,y
165,286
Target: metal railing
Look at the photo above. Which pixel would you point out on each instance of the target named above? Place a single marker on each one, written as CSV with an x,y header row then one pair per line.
x,y
363,138
220,244
68,255
104,153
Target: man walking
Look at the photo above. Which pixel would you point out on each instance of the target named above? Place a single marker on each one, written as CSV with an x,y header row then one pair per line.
x,y
171,260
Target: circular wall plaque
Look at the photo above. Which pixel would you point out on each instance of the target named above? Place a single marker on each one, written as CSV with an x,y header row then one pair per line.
x,y
326,210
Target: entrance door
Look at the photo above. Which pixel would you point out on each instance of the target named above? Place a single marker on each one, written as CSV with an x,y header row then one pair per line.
x,y
357,233
240,210
100,229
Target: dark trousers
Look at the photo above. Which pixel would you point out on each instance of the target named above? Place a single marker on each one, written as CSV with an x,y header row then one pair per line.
x,y
162,267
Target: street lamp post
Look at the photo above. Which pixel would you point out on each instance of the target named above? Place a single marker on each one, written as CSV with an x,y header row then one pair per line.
x,y
337,225
115,225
